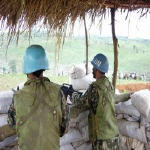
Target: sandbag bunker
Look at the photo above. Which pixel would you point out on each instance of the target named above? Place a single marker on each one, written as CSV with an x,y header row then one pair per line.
x,y
132,112
133,121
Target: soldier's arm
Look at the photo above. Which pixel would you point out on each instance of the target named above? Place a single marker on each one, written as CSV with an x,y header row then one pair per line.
x,y
65,114
80,101
12,112
12,116
90,98
79,104
85,102
93,98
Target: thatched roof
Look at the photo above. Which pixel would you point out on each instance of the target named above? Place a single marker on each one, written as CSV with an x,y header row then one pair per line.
x,y
23,14
128,4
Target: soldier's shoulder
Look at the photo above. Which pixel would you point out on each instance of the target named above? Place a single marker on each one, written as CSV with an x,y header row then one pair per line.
x,y
26,90
55,86
20,92
94,84
102,84
50,83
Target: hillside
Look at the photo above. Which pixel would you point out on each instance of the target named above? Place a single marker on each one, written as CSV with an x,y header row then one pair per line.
x,y
134,54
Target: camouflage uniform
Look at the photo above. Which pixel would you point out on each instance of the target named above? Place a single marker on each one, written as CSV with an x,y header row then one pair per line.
x,y
12,116
99,99
41,115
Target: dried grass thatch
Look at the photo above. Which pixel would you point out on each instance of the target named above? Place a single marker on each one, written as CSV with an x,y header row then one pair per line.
x,y
20,15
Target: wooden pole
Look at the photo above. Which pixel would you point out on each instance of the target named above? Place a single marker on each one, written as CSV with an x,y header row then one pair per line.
x,y
86,42
115,44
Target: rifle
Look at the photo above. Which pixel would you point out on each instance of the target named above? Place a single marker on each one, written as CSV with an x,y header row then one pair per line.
x,y
67,89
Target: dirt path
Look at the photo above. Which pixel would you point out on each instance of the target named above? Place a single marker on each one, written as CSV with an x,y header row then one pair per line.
x,y
133,87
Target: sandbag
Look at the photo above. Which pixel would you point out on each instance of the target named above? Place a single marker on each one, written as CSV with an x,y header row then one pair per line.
x,y
127,117
119,116
85,146
77,72
127,143
127,108
5,100
82,83
3,119
79,122
122,97
66,147
84,133
148,133
141,100
132,129
9,143
82,119
145,121
72,135
5,129
131,118
147,146
82,145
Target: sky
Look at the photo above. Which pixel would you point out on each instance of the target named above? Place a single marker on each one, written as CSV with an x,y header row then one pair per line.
x,y
132,27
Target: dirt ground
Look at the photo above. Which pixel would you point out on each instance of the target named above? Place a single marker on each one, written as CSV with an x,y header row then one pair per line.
x,y
133,87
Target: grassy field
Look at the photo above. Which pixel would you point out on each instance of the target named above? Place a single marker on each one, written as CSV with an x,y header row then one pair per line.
x,y
133,56
9,81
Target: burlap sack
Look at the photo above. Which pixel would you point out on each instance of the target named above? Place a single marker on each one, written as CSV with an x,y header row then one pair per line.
x,y
141,100
132,129
127,143
5,100
5,129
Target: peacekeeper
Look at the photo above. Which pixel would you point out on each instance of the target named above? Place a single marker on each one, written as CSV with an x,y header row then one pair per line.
x,y
40,107
99,99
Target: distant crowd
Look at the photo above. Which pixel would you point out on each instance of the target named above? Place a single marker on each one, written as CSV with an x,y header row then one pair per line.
x,y
134,76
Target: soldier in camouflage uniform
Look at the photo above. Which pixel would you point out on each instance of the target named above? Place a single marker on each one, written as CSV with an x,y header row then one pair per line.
x,y
40,107
99,99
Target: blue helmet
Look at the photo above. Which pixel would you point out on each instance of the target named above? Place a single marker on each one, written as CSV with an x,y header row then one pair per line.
x,y
100,62
34,59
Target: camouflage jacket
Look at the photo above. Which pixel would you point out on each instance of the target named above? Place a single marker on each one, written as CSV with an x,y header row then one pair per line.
x,y
64,108
99,100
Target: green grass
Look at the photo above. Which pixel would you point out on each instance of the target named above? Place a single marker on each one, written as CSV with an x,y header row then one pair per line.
x,y
9,81
59,79
133,56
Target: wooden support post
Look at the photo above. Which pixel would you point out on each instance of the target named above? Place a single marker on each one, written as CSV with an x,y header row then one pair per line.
x,y
115,44
86,42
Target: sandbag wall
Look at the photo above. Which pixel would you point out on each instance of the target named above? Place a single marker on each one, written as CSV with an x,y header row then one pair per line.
x,y
7,134
77,137
134,121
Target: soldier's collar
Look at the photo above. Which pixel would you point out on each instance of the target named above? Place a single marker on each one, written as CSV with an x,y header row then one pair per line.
x,y
37,80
